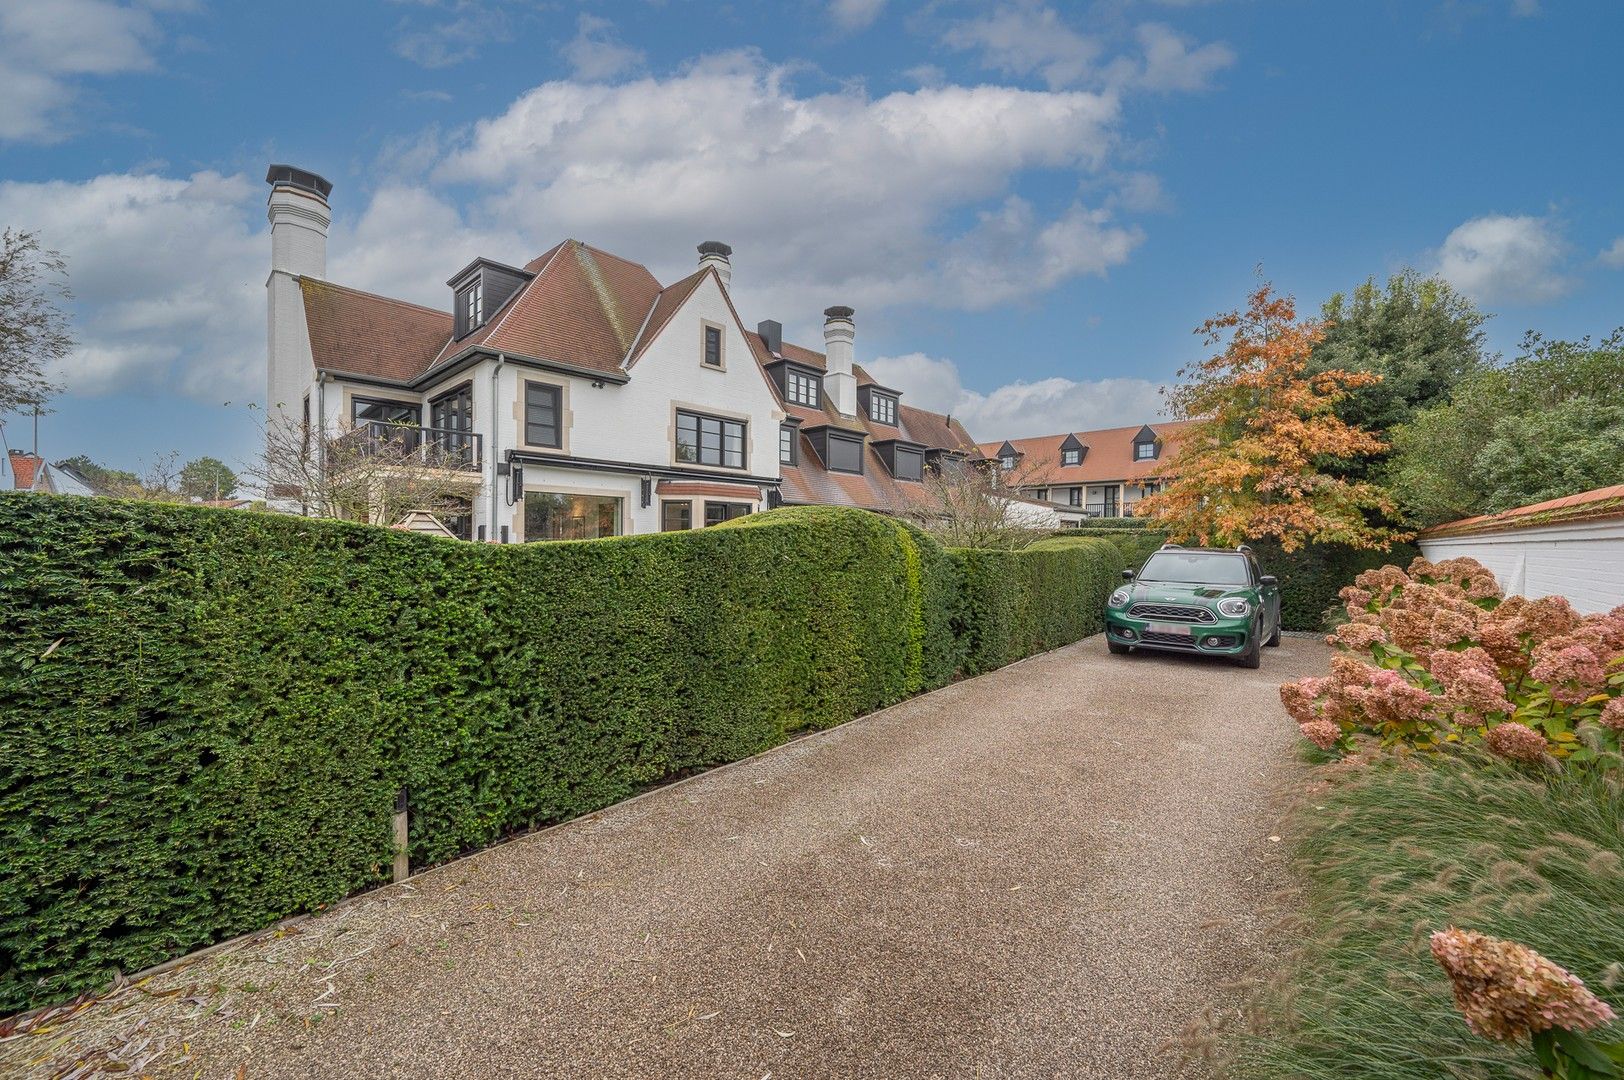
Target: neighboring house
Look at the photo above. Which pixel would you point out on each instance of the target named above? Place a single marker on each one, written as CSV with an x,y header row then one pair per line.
x,y
1097,473
582,398
1572,547
30,472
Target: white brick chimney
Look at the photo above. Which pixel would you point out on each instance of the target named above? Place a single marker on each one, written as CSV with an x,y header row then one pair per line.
x,y
839,382
299,217
717,254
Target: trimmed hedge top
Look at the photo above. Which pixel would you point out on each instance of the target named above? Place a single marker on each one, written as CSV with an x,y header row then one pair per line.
x,y
207,715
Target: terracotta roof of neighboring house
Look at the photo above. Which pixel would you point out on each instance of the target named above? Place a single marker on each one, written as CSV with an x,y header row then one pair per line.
x,y
1109,456
875,488
365,334
583,307
1607,502
24,468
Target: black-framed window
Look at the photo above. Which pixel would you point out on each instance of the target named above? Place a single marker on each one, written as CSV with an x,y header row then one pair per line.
x,y
1071,457
787,436
1075,496
718,512
845,455
452,416
471,305
802,388
882,408
1007,461
710,440
384,411
543,414
459,518
910,464
676,516
1144,450
713,346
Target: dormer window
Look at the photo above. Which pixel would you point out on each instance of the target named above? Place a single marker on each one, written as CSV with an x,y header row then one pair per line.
x,y
802,388
472,303
1144,451
882,409
1007,462
1071,457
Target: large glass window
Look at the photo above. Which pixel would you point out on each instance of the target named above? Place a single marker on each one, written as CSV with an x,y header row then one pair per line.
x,y
786,444
551,515
543,407
882,408
452,417
716,513
802,388
910,464
676,516
845,455
710,440
386,412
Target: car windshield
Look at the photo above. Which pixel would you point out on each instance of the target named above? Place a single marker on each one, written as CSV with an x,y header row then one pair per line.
x,y
1196,568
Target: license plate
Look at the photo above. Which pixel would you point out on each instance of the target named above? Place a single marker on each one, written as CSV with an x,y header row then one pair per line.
x,y
1169,628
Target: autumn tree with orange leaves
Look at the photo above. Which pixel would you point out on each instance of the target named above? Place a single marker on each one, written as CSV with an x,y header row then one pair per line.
x,y
1250,466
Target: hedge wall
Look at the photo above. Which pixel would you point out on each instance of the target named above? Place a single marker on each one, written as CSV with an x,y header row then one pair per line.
x,y
1017,603
1311,577
206,714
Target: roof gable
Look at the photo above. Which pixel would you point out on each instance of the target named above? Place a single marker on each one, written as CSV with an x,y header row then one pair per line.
x,y
1145,434
1072,443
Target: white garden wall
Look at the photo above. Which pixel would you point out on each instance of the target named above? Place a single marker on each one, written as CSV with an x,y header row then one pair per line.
x,y
1583,560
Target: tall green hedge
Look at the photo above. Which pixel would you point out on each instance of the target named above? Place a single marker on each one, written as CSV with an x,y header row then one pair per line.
x,y
1311,576
1017,603
206,715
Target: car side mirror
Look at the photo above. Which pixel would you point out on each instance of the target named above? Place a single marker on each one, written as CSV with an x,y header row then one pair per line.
x,y
1127,575
1269,580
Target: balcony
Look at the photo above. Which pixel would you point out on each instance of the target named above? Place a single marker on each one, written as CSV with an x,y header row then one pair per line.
x,y
413,444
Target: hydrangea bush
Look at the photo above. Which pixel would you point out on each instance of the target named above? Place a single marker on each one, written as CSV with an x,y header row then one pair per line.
x,y
1436,655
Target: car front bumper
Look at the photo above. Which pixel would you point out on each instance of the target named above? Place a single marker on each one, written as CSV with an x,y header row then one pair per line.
x,y
1225,637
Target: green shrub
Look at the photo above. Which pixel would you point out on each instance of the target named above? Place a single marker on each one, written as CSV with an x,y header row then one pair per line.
x,y
1311,576
207,715
1394,851
1017,603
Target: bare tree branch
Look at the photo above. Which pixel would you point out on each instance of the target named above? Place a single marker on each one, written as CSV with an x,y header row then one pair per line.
x,y
966,505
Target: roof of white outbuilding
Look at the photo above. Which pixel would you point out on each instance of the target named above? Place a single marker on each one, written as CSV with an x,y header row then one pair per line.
x,y
1607,502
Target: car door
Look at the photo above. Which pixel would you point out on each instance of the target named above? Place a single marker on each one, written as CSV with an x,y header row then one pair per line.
x,y
1270,595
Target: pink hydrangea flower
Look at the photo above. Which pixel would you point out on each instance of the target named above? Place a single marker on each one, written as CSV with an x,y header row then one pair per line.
x,y
1612,715
1357,636
1517,742
1507,991
1572,673
1322,733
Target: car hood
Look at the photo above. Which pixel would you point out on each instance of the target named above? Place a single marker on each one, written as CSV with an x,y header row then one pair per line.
x,y
1175,592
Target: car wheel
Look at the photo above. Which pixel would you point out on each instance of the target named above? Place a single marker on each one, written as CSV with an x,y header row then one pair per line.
x,y
1118,650
1274,639
1253,656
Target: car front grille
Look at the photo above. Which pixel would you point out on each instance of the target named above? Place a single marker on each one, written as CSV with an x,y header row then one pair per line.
x,y
1171,613
1182,641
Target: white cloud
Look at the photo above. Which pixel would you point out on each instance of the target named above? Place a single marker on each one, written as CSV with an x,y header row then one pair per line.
x,y
1613,256
596,53
46,47
168,277
1018,409
452,41
855,14
1174,62
834,197
1028,39
1502,258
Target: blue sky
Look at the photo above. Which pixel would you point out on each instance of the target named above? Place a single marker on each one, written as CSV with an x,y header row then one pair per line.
x,y
1029,205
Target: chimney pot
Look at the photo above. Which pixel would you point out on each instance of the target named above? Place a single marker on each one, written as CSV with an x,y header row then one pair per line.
x,y
838,312
716,254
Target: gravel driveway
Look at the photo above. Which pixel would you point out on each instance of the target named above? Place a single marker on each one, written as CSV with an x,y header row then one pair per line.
x,y
1042,872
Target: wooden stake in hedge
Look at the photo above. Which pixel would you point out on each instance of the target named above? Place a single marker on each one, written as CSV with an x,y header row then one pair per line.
x,y
403,863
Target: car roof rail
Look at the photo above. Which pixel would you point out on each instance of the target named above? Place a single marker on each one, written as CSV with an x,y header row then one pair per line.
x,y
1244,547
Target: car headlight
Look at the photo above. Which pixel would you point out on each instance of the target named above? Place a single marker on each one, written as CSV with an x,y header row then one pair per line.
x,y
1234,607
1119,598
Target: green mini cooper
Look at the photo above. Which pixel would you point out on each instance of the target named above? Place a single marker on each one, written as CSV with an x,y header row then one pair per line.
x,y
1196,600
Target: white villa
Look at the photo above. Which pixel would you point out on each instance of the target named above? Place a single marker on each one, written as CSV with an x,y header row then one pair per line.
x,y
581,397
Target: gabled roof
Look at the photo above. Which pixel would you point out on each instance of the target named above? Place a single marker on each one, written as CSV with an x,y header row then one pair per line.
x,y
25,468
1006,450
1108,458
1073,443
584,307
362,333
671,298
1607,502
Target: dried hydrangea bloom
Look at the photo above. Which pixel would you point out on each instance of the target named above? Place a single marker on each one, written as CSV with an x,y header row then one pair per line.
x,y
1548,617
1572,673
1357,636
1390,698
1612,715
1516,742
1483,587
1322,733
1507,991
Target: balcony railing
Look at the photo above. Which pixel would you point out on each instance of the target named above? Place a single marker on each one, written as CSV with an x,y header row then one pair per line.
x,y
444,448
